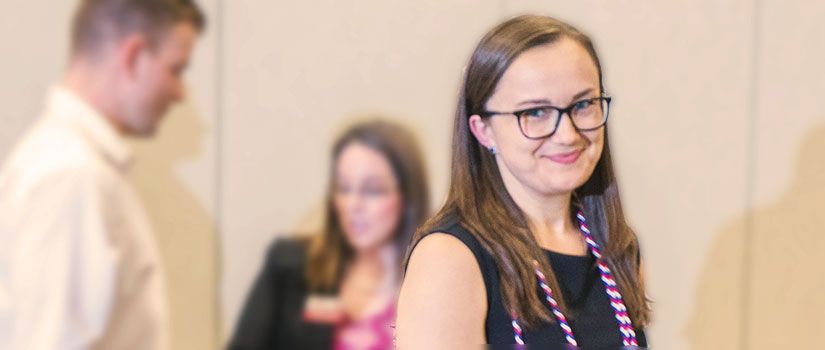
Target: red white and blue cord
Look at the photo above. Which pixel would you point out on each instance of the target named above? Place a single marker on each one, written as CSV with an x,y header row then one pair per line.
x,y
619,309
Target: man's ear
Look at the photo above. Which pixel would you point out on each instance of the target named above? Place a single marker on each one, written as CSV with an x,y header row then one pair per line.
x,y
128,53
482,131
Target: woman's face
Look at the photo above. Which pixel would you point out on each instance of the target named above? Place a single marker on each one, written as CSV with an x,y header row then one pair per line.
x,y
366,197
557,74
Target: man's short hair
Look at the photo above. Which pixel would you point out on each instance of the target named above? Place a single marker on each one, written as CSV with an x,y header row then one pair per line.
x,y
98,21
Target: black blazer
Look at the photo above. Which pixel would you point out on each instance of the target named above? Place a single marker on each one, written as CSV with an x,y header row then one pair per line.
x,y
271,318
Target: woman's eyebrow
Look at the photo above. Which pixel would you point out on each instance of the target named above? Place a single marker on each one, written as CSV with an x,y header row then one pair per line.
x,y
544,101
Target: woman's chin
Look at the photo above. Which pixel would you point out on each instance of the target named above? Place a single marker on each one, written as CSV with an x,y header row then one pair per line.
x,y
362,245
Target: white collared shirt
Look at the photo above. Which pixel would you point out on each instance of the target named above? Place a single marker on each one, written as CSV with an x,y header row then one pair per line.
x,y
79,266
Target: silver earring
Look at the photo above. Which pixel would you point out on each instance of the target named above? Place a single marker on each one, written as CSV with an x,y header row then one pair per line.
x,y
493,150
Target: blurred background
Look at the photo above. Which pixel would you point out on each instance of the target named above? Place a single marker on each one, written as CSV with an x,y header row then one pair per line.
x,y
717,127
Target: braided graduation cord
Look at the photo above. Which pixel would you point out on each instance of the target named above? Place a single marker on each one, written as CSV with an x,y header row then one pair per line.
x,y
625,325
517,331
568,332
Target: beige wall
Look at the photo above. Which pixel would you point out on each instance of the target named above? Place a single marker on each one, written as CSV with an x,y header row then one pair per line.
x,y
716,127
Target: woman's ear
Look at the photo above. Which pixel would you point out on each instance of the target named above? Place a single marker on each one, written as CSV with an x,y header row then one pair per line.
x,y
482,131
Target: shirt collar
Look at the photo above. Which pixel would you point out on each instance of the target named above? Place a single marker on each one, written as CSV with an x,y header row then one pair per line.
x,y
65,105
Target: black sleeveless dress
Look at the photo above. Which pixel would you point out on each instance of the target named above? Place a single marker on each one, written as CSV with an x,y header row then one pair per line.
x,y
592,321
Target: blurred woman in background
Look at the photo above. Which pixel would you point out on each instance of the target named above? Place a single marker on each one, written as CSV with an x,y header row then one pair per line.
x,y
338,289
510,257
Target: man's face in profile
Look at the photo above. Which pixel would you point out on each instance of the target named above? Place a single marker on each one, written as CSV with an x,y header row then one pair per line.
x,y
158,80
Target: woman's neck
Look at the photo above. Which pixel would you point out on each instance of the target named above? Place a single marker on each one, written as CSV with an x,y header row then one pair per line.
x,y
371,282
548,217
379,263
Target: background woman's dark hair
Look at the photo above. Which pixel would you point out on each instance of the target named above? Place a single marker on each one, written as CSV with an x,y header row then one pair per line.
x,y
479,200
329,252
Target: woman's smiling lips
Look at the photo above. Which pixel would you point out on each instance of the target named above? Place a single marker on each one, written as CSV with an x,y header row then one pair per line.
x,y
565,158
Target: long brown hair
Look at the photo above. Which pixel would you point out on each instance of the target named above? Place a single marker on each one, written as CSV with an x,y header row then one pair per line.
x,y
481,203
329,251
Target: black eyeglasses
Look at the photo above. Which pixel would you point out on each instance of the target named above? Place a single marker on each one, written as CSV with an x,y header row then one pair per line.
x,y
543,121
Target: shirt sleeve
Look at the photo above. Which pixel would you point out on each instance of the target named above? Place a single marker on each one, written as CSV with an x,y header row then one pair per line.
x,y
63,264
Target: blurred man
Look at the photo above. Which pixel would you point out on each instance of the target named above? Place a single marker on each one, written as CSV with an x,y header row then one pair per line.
x,y
79,268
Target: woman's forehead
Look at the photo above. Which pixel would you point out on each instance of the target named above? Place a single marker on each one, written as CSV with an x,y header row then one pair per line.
x,y
556,72
360,161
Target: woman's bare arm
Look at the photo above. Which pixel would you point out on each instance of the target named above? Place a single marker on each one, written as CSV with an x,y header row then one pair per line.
x,y
443,300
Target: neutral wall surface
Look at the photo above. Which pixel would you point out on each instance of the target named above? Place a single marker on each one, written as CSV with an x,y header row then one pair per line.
x,y
717,129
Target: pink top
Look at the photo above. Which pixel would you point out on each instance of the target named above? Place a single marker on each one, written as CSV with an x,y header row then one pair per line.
x,y
371,333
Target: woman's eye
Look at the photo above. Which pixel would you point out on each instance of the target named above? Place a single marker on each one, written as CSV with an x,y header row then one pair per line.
x,y
535,113
373,191
583,104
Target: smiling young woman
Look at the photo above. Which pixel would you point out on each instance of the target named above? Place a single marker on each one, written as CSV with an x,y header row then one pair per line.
x,y
531,245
